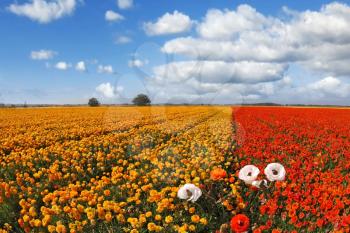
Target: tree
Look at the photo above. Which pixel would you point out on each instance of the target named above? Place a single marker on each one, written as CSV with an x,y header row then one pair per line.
x,y
93,102
141,100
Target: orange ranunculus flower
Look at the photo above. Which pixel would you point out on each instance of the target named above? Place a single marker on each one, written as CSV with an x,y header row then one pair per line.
x,y
240,223
218,174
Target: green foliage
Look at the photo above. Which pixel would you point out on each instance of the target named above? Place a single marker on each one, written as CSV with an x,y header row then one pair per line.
x,y
141,100
93,102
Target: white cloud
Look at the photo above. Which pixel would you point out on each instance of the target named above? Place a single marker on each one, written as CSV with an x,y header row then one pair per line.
x,y
242,50
227,24
194,91
253,36
220,72
113,16
109,91
62,65
330,24
42,54
328,86
124,4
176,22
123,40
80,66
108,69
248,53
137,63
44,11
240,35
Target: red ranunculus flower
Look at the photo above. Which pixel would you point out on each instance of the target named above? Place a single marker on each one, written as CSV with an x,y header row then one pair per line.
x,y
240,223
346,221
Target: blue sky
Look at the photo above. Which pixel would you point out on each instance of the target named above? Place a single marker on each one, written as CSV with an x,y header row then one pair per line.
x,y
148,46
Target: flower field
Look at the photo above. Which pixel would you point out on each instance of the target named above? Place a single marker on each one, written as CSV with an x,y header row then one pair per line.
x,y
114,169
314,146
174,169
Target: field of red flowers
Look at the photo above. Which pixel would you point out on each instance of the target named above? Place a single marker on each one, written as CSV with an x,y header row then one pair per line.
x,y
313,144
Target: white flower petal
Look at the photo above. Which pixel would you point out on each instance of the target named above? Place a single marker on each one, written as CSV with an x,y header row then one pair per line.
x,y
275,172
189,192
182,194
248,173
196,195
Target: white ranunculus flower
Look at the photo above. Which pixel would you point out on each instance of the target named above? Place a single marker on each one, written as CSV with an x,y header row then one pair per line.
x,y
275,172
248,174
259,183
189,192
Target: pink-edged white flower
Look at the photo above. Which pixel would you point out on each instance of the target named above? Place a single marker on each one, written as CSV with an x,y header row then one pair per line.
x,y
248,174
275,172
189,192
259,183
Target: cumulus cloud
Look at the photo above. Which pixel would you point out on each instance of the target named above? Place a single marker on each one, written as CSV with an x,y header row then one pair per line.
x,y
220,71
123,40
245,52
137,63
112,16
329,86
194,91
245,34
176,22
199,48
44,11
125,4
227,24
330,24
107,90
42,54
80,66
62,65
106,69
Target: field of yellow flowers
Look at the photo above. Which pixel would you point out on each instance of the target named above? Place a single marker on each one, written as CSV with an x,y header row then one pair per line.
x,y
116,169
